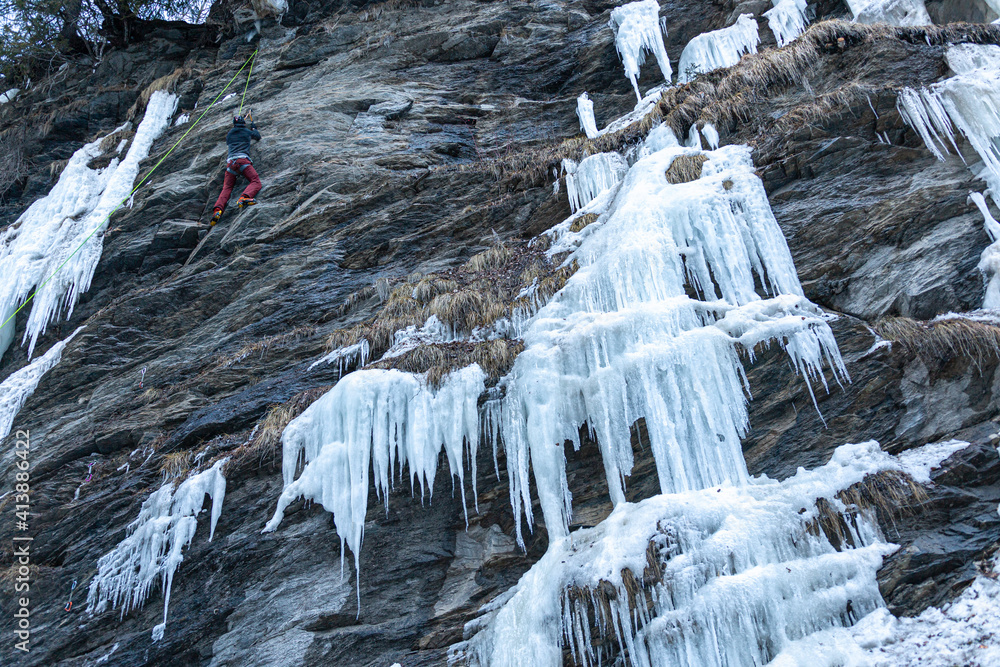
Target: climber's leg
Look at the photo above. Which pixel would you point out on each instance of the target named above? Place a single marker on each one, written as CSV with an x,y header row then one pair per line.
x,y
227,190
255,185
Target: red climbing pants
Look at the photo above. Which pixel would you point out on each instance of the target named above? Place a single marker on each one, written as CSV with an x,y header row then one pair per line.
x,y
233,168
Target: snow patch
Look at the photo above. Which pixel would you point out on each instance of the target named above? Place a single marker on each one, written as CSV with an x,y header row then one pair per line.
x,y
893,12
919,462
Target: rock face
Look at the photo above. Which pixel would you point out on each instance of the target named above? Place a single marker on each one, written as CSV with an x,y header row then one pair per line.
x,y
403,138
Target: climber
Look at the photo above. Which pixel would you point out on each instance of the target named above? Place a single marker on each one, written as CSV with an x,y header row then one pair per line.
x,y
238,162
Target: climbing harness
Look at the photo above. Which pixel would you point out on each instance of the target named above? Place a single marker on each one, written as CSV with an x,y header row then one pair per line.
x,y
137,186
69,605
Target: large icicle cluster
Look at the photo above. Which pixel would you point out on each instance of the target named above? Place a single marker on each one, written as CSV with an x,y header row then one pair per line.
x,y
623,340
787,20
20,384
969,101
638,31
164,528
725,576
34,248
378,419
893,12
718,48
592,176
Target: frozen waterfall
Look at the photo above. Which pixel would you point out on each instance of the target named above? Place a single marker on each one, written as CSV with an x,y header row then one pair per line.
x,y
36,252
20,384
717,576
623,340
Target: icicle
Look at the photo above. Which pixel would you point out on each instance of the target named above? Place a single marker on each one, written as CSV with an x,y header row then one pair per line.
x,y
787,20
719,48
356,354
34,248
20,384
378,419
164,528
969,101
637,31
989,261
711,135
592,176
893,12
585,112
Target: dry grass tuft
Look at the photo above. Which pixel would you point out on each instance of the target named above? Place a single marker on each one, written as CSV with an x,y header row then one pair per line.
x,y
167,82
488,260
886,495
265,441
495,357
685,168
174,465
943,339
590,218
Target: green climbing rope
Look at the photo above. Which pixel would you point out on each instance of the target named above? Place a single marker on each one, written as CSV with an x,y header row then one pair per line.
x,y
137,186
244,98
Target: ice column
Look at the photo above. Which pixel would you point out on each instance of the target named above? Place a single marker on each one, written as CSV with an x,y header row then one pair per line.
x,y
718,48
585,112
638,31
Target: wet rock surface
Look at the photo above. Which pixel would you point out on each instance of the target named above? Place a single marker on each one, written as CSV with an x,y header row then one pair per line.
x,y
383,125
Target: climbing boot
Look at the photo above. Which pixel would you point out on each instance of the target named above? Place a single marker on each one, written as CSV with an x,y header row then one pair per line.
x,y
215,217
244,202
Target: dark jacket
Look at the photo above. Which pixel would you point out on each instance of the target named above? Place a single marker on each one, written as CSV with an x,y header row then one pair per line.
x,y
238,141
